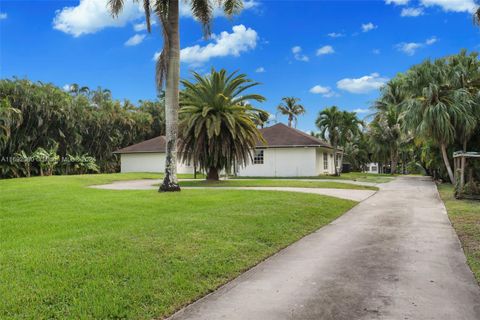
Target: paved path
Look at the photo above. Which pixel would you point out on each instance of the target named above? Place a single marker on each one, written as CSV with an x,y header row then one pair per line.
x,y
147,184
394,256
349,194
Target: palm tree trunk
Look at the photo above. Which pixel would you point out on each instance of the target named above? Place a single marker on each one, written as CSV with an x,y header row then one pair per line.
x,y
443,147
335,159
170,181
394,162
213,174
290,119
462,166
340,167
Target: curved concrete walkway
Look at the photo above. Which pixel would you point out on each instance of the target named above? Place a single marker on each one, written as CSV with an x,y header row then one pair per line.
x,y
393,256
148,184
349,194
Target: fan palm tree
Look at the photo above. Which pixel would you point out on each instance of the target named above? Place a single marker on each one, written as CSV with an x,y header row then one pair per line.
x,y
218,128
329,122
168,63
290,108
436,109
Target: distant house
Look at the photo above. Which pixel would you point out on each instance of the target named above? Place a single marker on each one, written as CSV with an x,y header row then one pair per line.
x,y
372,167
288,152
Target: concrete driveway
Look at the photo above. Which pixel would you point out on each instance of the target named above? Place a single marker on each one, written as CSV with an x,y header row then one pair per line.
x,y
148,184
394,256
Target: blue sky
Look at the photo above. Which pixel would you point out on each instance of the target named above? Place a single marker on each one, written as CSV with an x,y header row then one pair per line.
x,y
324,52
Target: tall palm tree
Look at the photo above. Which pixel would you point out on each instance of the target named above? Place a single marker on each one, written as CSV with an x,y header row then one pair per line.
x,y
291,108
329,123
168,63
219,129
386,126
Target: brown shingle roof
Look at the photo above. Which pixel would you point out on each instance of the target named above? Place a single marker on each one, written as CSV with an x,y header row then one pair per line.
x,y
276,136
280,135
153,145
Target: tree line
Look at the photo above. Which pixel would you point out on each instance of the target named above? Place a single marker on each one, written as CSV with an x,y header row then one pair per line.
x,y
426,113
45,129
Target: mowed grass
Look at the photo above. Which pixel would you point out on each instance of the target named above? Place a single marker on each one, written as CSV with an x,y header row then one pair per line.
x,y
465,218
274,183
363,177
72,252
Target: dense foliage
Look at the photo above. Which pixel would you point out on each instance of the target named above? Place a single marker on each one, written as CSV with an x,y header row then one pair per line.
x,y
45,130
342,129
427,113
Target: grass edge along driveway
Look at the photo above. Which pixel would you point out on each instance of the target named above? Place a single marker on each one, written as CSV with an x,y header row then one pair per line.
x,y
465,218
275,183
69,251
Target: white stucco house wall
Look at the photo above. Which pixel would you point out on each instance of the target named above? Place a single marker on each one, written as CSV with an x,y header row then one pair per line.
x,y
288,152
372,167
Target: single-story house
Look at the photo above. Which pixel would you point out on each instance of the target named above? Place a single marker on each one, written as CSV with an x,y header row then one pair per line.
x,y
288,152
372,167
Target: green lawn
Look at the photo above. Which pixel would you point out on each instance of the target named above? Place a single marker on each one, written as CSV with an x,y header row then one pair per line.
x,y
357,176
363,177
274,183
68,251
465,218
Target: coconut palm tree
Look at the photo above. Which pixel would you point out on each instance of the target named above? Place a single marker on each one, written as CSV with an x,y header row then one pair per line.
x,y
329,122
386,126
168,63
350,128
219,130
290,108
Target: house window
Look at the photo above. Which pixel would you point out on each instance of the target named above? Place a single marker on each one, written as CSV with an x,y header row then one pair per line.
x,y
258,158
374,169
325,161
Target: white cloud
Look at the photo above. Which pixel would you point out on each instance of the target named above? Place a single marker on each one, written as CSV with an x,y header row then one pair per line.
x,y
412,12
376,51
242,39
91,16
66,87
142,25
260,70
361,85
326,92
452,5
135,40
368,27
335,35
185,8
431,41
397,2
298,55
360,110
296,49
325,50
3,16
410,48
